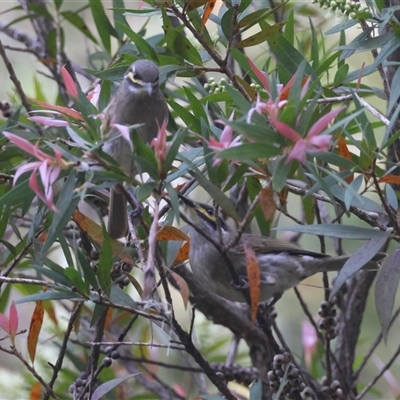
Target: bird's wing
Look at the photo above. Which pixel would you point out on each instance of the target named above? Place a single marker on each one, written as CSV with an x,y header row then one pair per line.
x,y
266,245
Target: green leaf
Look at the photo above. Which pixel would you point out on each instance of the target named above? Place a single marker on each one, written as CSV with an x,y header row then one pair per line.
x,y
187,117
391,197
253,18
394,91
288,56
105,263
250,151
140,43
51,295
341,74
256,390
56,275
180,45
359,258
385,52
369,43
261,37
386,286
289,28
118,6
280,173
105,95
118,296
19,193
88,273
342,26
337,160
66,204
352,191
75,277
144,156
110,74
193,4
106,387
58,3
238,99
314,47
254,187
78,22
103,25
213,190
174,148
244,4
227,23
336,230
197,107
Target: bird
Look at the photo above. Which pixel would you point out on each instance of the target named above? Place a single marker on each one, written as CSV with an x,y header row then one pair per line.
x,y
282,265
138,100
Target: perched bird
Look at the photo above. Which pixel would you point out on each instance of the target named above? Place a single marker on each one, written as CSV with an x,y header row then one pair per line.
x,y
139,100
282,265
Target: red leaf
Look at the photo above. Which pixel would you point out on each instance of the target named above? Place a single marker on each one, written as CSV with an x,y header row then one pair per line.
x,y
183,288
253,275
69,82
34,329
65,110
267,203
207,12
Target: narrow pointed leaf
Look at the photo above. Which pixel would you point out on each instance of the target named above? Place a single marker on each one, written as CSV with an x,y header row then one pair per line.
x,y
34,329
253,276
106,387
359,258
386,286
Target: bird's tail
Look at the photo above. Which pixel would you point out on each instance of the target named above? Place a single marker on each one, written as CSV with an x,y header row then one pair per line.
x,y
118,215
336,263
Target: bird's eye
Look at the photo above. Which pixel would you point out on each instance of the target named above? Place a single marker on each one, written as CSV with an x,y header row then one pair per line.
x,y
209,211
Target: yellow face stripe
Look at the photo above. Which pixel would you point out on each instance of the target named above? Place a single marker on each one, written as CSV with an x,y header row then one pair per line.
x,y
131,76
204,212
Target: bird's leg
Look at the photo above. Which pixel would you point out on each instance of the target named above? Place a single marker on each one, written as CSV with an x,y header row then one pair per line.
x,y
274,300
242,284
136,205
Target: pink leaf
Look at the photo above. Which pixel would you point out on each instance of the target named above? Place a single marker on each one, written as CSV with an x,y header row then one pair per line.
x,y
94,95
13,319
298,152
286,130
25,168
263,78
49,121
24,144
323,122
321,142
227,133
69,82
125,133
33,184
4,323
65,110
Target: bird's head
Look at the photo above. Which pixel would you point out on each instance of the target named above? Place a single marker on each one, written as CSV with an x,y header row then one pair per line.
x,y
142,75
204,217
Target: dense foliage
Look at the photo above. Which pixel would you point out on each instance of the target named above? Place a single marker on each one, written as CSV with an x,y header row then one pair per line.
x,y
287,137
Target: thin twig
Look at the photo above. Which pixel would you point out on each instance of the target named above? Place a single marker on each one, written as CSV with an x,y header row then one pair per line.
x,y
58,365
17,83
13,351
377,377
374,346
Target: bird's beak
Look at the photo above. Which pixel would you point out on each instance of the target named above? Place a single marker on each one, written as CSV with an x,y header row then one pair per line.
x,y
187,202
149,87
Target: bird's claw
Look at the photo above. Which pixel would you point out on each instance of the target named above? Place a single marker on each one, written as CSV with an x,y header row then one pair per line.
x,y
242,283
